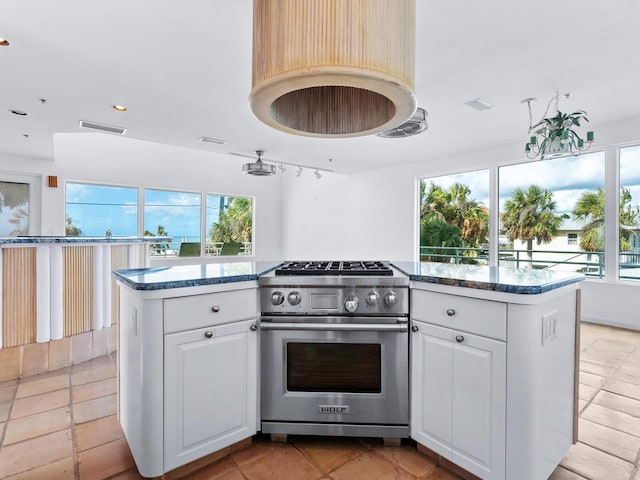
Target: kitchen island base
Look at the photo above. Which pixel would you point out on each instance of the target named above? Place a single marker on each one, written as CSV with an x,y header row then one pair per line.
x,y
492,365
188,372
493,378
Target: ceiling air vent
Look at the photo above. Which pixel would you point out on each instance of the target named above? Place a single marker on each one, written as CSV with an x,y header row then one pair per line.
x,y
415,125
102,127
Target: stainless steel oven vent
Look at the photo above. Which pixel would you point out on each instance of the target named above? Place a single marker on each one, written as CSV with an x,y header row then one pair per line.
x,y
102,127
415,125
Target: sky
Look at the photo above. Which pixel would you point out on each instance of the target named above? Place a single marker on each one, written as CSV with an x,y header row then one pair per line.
x,y
96,208
566,177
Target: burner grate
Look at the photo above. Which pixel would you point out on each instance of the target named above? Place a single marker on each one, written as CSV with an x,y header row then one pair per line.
x,y
372,268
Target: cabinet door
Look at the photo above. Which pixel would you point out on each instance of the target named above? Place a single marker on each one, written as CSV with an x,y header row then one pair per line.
x,y
210,390
431,386
478,421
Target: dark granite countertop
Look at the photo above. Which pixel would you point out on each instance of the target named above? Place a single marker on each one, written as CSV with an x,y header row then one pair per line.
x,y
497,279
38,239
178,276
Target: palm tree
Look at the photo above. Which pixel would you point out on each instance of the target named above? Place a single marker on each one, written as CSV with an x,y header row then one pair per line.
x,y
20,220
454,207
530,215
158,248
234,223
71,230
13,195
437,236
590,209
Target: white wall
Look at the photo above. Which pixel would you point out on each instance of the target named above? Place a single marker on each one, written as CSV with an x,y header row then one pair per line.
x,y
104,158
347,217
616,304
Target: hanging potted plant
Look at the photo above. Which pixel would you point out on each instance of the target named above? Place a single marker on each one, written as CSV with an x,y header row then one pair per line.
x,y
556,136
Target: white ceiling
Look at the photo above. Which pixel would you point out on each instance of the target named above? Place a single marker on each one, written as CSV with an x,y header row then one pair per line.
x,y
183,68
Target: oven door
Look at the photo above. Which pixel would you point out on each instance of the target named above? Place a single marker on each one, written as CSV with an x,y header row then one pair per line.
x,y
325,371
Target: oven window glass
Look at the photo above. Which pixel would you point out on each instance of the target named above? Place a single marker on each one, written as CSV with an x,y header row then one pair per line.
x,y
334,367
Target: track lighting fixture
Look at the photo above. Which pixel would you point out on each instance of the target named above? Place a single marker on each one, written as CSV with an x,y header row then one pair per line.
x,y
263,169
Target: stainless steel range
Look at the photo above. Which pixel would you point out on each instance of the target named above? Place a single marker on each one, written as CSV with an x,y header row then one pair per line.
x,y
334,349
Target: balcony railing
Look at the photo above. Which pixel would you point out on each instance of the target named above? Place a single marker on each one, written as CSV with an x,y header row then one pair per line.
x,y
589,263
171,250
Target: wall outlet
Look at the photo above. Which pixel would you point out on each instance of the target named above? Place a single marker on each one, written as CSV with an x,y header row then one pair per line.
x,y
549,327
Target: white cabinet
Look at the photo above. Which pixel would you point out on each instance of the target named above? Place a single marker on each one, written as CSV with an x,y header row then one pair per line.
x,y
188,372
492,386
458,397
210,390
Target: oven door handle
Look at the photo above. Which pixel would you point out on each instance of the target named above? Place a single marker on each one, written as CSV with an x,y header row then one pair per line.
x,y
336,327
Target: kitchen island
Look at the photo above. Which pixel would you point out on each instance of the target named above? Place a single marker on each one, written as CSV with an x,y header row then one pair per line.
x,y
492,364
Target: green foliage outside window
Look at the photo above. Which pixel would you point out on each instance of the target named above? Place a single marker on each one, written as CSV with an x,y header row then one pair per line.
x,y
234,223
449,218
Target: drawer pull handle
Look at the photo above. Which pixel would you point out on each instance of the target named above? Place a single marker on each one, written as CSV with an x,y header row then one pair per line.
x,y
215,309
459,338
253,327
451,312
414,328
208,334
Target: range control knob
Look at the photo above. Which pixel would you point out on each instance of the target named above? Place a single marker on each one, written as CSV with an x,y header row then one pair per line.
x,y
390,299
373,298
277,298
351,304
294,298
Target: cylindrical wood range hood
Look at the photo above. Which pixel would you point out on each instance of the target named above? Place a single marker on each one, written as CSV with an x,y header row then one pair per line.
x,y
333,68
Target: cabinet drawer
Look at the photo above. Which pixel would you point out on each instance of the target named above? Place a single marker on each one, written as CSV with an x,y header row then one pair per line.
x,y
482,317
197,311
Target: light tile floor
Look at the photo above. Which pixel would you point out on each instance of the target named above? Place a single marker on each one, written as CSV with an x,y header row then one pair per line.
x,y
62,425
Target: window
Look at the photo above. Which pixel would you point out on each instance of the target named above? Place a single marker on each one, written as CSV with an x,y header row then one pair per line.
x,y
93,209
454,218
630,213
224,228
540,204
173,214
14,209
228,225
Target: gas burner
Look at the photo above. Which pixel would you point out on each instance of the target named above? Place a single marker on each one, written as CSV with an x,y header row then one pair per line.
x,y
377,268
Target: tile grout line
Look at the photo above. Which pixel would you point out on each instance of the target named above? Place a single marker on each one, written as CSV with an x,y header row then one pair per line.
x,y
6,423
591,401
74,446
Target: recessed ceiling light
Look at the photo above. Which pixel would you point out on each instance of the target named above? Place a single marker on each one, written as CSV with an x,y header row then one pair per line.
x,y
212,140
4,42
119,108
19,112
479,104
